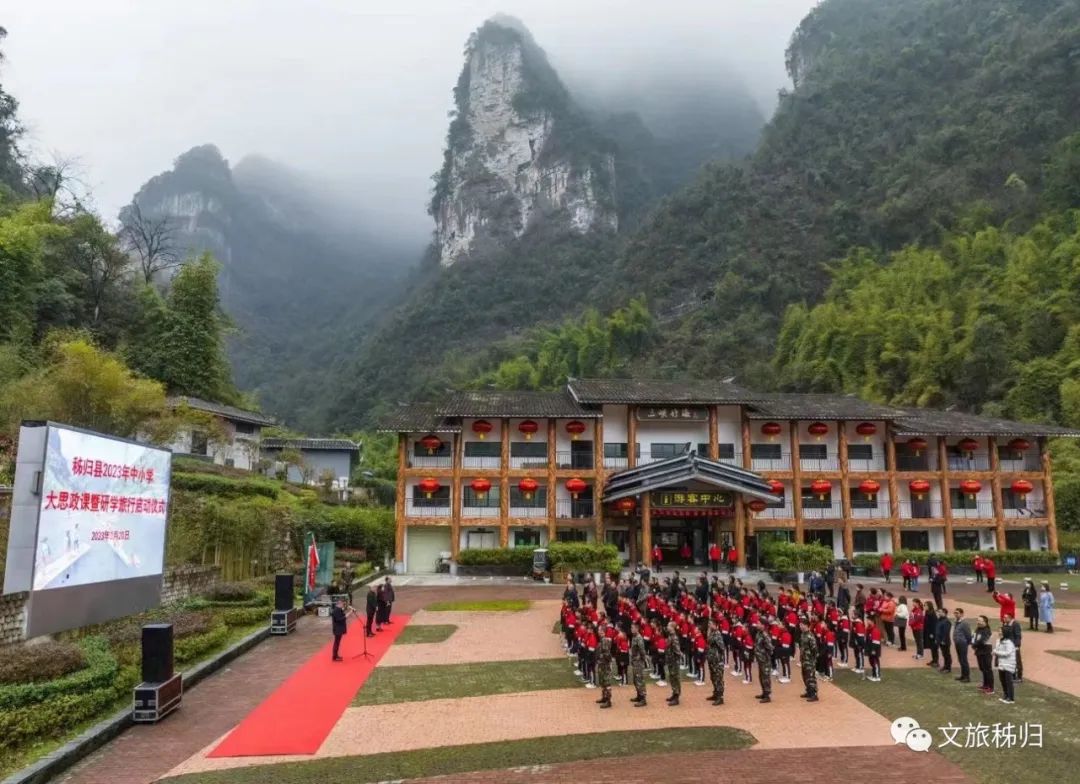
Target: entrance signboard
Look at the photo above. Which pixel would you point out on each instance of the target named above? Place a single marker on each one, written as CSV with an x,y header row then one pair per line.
x,y
689,499
672,413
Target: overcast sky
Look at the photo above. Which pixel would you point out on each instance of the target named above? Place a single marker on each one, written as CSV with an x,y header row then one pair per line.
x,y
355,89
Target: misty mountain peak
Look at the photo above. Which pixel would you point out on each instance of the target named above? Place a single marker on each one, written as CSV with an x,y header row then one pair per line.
x,y
518,150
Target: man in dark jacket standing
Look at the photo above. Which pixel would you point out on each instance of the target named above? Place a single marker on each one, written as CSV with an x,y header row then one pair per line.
x,y
388,598
372,609
943,633
338,625
1008,622
962,637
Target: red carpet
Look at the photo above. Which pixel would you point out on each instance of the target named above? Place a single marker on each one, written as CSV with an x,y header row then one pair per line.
x,y
298,716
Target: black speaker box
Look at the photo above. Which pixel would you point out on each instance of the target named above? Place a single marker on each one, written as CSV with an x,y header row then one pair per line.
x,y
157,652
283,592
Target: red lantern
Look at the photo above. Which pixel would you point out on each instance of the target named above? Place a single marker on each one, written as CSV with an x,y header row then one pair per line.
x,y
1021,487
575,429
919,487
480,486
772,430
869,488
776,486
968,445
818,429
757,506
482,427
625,505
1018,446
971,487
428,486
821,488
528,486
575,486
432,443
917,445
866,429
528,427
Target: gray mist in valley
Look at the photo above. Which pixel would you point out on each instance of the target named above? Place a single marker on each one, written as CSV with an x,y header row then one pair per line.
x,y
355,95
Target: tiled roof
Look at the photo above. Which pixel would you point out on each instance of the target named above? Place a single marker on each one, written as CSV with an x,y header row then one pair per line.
x,y
683,468
920,421
332,444
641,391
513,404
222,410
416,418
798,406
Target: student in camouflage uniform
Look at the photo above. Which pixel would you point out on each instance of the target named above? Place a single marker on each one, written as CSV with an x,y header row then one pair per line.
x,y
715,657
603,669
638,662
763,652
808,652
673,657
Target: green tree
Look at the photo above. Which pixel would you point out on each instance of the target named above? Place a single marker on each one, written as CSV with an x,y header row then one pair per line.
x,y
21,240
81,384
181,343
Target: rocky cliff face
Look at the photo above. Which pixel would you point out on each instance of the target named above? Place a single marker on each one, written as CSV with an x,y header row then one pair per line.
x,y
518,151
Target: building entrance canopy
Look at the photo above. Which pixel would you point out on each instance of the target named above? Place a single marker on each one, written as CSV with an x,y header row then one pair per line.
x,y
687,467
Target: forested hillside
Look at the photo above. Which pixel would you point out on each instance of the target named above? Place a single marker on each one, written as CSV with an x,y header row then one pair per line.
x,y
906,121
542,247
300,277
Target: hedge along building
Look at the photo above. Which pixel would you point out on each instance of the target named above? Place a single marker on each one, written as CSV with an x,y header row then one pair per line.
x,y
683,464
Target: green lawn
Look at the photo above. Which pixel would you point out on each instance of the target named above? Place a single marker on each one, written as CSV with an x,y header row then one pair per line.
x,y
449,760
434,632
1074,655
936,700
444,681
493,605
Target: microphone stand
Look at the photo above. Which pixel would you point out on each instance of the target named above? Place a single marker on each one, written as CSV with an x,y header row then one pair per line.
x,y
363,636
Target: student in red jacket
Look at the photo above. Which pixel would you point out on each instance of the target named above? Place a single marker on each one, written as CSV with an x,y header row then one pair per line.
x,y
977,565
886,566
916,620
858,642
714,557
991,574
657,558
684,551
873,650
732,559
1005,601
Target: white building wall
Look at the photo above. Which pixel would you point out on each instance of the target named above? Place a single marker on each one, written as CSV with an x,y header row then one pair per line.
x,y
650,433
937,540
614,424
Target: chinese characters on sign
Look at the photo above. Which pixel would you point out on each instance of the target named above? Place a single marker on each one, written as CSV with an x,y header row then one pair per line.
x,y
103,503
667,413
992,736
101,470
665,498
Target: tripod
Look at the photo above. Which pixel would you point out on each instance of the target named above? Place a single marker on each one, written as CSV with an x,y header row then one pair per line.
x,y
364,653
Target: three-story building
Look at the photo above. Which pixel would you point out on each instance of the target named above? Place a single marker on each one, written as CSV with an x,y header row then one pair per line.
x,y
680,465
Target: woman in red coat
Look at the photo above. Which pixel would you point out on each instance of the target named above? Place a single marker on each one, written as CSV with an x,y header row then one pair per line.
x,y
714,557
684,551
886,567
1006,602
990,570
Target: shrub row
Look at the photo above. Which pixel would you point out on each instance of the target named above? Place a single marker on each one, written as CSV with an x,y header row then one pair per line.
x,y
40,662
584,557
211,484
192,647
63,711
501,556
231,592
245,616
782,556
99,672
964,558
